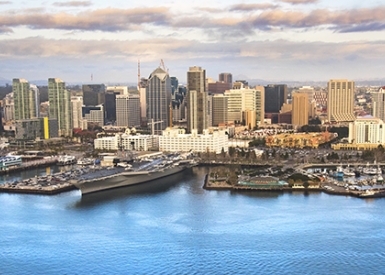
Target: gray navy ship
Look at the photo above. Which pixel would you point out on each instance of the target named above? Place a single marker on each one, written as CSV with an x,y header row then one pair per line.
x,y
126,175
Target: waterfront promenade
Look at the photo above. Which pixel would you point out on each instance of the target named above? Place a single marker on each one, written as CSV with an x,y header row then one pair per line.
x,y
58,183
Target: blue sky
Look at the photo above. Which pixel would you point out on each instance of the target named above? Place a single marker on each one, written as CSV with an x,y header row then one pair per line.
x,y
299,40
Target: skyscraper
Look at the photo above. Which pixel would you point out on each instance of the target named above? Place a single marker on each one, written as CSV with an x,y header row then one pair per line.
x,y
110,100
196,100
158,99
60,106
275,97
340,106
378,103
219,109
243,100
77,117
93,94
128,110
300,109
26,99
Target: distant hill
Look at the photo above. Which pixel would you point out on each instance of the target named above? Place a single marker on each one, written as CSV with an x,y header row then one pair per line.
x,y
4,82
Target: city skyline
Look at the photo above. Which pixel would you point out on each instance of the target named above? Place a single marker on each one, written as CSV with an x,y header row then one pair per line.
x,y
299,40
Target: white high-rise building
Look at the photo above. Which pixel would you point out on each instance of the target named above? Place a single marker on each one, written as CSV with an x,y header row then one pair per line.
x,y
77,117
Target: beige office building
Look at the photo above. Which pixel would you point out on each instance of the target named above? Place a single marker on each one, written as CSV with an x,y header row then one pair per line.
x,y
246,99
340,105
300,109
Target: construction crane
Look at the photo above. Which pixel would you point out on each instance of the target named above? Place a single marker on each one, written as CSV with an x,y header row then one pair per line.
x,y
152,123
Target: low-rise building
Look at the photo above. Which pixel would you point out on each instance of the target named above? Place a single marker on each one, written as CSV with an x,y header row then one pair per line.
x,y
125,141
176,140
364,134
299,140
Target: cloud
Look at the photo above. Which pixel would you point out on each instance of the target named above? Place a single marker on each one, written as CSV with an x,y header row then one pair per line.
x,y
73,4
170,48
296,2
5,2
252,7
265,17
109,19
5,30
364,28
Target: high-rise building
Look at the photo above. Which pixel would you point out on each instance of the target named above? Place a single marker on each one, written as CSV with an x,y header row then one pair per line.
x,y
219,109
234,105
241,100
300,109
158,99
378,103
196,100
94,114
26,99
60,106
254,100
226,77
110,100
128,110
340,106
143,101
77,116
9,107
174,86
275,97
93,94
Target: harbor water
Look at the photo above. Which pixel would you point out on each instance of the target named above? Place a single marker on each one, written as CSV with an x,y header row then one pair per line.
x,y
174,226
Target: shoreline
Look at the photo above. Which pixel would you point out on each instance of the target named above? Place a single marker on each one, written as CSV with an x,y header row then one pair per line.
x,y
225,186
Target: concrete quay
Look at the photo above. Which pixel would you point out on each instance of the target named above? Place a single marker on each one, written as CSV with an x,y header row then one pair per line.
x,y
31,164
326,187
46,190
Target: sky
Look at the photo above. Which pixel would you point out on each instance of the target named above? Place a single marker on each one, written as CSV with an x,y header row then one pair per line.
x,y
273,40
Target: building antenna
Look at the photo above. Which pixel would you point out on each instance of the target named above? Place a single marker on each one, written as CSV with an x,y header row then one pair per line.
x,y
92,78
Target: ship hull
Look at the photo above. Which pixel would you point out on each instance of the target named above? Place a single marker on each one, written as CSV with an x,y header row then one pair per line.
x,y
125,179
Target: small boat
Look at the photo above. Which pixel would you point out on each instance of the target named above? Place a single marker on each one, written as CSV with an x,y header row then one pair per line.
x,y
348,172
370,170
85,161
339,172
66,160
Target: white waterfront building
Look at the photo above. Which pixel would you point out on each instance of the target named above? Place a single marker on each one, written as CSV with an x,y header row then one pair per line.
x,y
127,141
176,140
367,130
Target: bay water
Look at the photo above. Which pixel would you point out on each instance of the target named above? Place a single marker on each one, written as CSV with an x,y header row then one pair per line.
x,y
174,226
